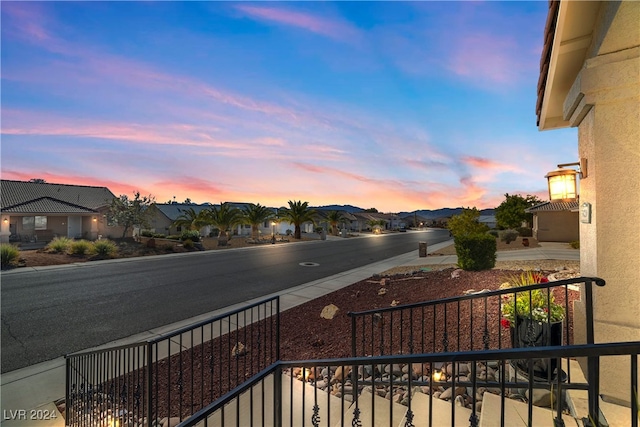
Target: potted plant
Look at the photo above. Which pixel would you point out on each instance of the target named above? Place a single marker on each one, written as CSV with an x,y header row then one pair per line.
x,y
534,319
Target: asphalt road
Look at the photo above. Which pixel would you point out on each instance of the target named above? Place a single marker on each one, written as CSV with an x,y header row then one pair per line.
x,y
49,313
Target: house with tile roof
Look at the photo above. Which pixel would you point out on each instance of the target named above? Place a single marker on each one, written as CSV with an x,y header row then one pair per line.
x,y
37,211
555,221
164,215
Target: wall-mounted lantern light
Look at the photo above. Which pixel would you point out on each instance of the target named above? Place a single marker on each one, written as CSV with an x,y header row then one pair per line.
x,y
95,219
6,220
563,183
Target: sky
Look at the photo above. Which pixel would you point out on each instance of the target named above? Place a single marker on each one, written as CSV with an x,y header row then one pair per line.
x,y
396,106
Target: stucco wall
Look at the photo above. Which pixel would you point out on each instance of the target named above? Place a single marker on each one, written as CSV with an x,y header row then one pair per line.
x,y
557,227
607,92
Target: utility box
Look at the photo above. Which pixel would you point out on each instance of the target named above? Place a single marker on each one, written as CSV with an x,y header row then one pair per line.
x,y
422,249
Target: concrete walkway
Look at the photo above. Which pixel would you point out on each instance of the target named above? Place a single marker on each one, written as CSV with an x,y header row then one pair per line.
x,y
38,386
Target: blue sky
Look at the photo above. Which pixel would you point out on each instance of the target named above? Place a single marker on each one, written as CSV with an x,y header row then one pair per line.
x,y
398,106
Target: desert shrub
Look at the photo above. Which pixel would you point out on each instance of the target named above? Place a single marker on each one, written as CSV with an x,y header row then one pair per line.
x,y
214,233
104,248
525,231
494,233
288,232
167,247
508,236
466,223
476,252
80,247
193,235
575,244
146,233
188,244
9,255
59,245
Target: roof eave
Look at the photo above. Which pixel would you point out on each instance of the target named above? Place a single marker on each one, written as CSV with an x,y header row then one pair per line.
x,y
571,40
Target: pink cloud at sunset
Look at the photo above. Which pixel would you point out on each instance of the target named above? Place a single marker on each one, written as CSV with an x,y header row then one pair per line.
x,y
329,28
395,105
485,58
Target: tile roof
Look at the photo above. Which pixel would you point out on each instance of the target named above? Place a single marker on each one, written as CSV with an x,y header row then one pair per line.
x,y
31,197
47,205
174,210
554,207
545,57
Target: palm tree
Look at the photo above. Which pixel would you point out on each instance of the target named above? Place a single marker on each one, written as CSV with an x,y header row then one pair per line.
x,y
192,220
297,213
256,215
225,218
334,218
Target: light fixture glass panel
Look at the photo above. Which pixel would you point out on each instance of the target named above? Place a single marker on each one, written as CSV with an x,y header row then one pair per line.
x,y
562,185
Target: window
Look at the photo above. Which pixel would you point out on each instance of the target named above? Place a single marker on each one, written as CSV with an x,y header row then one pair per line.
x,y
34,222
41,222
179,229
28,222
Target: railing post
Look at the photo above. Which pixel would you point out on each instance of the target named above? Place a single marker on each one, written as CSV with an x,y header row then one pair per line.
x,y
149,384
277,397
353,334
593,362
634,390
277,330
67,384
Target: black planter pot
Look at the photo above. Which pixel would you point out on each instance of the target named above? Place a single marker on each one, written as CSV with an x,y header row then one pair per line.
x,y
533,333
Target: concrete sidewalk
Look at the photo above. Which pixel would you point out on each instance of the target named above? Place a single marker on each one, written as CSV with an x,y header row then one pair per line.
x,y
38,386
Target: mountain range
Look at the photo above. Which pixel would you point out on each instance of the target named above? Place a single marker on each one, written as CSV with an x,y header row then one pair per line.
x,y
424,213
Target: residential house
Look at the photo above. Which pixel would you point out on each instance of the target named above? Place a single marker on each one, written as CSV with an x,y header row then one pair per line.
x,y
555,221
346,224
163,215
416,221
363,220
590,79
37,211
488,220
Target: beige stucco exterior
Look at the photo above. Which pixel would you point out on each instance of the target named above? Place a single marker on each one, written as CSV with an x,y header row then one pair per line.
x,y
78,226
603,101
556,226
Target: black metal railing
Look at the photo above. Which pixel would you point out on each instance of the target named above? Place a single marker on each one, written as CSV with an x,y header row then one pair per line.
x,y
176,374
351,391
476,322
462,323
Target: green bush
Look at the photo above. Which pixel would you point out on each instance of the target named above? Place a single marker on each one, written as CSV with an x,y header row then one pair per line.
x,y
9,255
105,248
508,236
575,244
193,235
173,237
476,252
188,244
146,233
494,233
466,223
59,245
81,247
525,231
158,235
